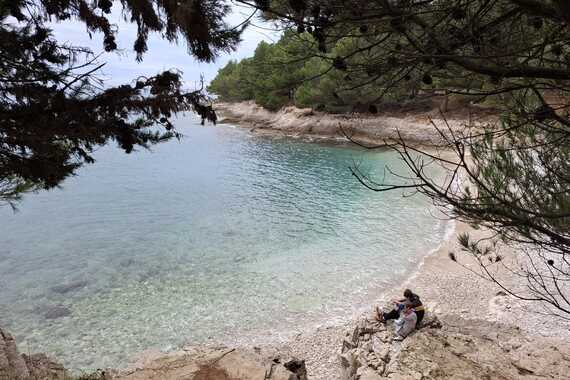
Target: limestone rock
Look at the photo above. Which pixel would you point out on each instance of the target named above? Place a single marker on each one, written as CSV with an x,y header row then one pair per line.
x,y
15,366
214,363
347,345
349,365
42,367
369,374
293,121
12,364
452,348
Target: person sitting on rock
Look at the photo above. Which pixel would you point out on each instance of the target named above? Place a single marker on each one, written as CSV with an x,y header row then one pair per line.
x,y
406,323
410,298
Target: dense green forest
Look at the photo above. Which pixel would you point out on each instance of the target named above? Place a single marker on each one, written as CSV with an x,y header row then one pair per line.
x,y
294,71
298,70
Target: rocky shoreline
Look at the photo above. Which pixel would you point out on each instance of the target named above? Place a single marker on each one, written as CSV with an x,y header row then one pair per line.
x,y
16,366
415,129
197,363
472,331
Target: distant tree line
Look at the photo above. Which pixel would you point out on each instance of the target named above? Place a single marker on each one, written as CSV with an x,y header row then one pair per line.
x,y
292,71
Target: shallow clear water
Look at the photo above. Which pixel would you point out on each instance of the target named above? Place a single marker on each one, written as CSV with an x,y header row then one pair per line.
x,y
219,237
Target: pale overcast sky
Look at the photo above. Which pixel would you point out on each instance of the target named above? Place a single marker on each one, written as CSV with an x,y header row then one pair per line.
x,y
122,67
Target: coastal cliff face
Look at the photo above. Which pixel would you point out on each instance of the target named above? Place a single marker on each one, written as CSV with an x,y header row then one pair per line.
x,y
367,129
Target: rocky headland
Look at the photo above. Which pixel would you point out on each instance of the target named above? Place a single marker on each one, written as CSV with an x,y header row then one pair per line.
x,y
413,127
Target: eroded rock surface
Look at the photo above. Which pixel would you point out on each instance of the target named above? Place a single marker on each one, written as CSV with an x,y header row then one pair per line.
x,y
367,129
454,348
16,366
11,362
214,363
448,348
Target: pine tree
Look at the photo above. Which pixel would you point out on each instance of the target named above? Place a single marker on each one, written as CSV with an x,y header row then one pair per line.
x,y
53,110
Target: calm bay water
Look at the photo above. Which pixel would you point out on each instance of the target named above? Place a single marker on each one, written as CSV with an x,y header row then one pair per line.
x,y
223,237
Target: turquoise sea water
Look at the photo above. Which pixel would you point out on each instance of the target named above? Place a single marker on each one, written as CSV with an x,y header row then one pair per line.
x,y
221,237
